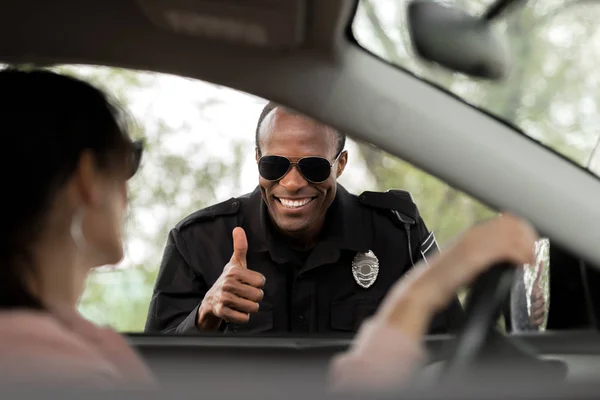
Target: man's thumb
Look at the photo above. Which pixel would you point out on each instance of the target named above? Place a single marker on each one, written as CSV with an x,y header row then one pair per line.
x,y
240,247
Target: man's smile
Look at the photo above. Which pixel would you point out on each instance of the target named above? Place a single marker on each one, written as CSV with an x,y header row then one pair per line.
x,y
294,203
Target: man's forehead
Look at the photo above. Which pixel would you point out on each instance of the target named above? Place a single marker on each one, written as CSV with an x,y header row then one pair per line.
x,y
281,126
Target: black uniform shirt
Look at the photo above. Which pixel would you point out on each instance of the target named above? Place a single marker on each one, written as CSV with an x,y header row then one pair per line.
x,y
306,292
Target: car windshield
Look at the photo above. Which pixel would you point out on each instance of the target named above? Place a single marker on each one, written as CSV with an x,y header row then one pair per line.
x,y
200,151
552,90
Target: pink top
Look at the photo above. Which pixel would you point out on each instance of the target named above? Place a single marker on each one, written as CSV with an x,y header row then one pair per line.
x,y
380,358
63,348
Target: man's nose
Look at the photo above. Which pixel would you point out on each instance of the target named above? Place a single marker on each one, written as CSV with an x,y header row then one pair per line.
x,y
293,180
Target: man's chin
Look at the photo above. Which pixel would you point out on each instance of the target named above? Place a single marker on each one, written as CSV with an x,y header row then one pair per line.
x,y
292,227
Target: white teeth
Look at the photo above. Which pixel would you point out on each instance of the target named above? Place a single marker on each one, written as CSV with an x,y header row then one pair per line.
x,y
294,203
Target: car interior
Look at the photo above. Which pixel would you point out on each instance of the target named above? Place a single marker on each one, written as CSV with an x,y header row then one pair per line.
x,y
305,54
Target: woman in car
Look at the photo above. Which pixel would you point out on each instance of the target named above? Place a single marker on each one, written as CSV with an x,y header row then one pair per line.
x,y
67,160
65,193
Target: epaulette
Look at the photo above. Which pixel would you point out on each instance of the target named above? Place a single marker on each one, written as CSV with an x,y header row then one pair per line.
x,y
402,209
227,207
396,200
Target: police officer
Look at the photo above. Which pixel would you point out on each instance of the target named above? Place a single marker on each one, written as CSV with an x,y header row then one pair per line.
x,y
300,254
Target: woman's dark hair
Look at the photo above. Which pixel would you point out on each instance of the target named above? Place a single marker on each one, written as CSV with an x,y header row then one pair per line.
x,y
47,121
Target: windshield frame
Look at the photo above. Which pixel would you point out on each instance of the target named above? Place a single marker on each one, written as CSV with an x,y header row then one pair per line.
x,y
351,36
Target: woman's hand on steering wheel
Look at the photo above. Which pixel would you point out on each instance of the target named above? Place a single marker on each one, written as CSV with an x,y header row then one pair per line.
x,y
412,302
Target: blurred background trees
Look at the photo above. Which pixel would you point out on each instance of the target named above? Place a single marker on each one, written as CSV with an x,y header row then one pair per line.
x,y
552,94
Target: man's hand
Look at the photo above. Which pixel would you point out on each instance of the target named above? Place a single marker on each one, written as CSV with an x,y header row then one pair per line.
x,y
236,293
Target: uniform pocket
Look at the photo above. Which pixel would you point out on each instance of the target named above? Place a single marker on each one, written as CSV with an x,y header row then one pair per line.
x,y
347,315
260,322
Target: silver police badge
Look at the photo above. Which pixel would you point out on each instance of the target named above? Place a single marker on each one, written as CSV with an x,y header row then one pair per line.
x,y
365,268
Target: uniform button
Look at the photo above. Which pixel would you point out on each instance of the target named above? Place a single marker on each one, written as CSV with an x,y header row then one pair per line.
x,y
235,328
301,319
234,204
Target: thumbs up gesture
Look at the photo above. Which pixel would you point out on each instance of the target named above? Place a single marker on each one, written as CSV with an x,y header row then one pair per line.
x,y
235,295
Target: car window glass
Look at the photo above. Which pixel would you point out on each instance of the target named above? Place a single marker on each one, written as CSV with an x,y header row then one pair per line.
x,y
200,151
551,91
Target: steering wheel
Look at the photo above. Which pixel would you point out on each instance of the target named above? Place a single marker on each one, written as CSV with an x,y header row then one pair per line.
x,y
483,308
479,341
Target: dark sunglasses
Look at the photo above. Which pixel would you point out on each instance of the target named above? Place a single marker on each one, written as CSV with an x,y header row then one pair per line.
x,y
313,169
137,149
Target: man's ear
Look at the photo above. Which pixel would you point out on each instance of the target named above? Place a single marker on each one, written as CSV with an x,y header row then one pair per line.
x,y
256,153
342,163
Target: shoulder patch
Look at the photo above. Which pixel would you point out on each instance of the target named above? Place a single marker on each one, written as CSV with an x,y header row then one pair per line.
x,y
429,248
402,193
228,207
399,201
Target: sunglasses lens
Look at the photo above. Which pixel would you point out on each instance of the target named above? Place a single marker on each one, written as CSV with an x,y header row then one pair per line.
x,y
315,169
273,168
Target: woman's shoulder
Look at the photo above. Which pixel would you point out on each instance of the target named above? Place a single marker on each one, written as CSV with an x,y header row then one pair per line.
x,y
35,341
23,332
31,327
62,344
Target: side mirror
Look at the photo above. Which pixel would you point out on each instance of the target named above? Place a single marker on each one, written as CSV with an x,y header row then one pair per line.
x,y
457,40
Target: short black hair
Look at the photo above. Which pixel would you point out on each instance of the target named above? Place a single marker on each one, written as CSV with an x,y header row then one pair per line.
x,y
48,121
340,137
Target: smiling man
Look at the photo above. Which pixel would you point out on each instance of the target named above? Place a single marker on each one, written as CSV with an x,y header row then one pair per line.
x,y
300,254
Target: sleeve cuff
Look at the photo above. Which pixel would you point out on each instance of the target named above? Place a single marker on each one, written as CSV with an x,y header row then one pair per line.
x,y
188,325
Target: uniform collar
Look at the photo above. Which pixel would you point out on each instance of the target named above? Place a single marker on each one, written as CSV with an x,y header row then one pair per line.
x,y
347,227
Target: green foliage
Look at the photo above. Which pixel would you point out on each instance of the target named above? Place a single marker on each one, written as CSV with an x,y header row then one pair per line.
x,y
445,210
552,94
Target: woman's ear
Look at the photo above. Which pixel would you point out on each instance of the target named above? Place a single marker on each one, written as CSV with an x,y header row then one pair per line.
x,y
86,180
